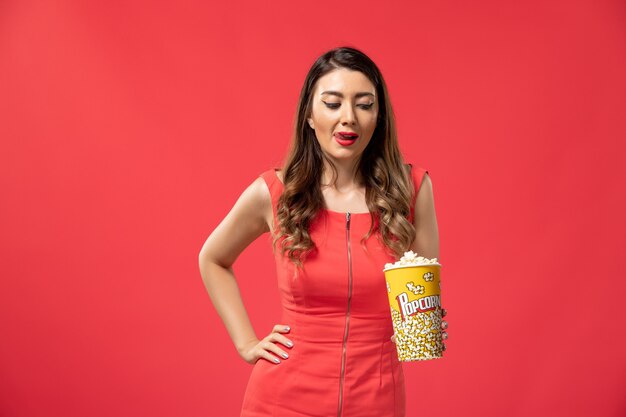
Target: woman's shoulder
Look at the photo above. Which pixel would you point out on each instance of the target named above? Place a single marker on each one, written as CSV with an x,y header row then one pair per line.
x,y
273,180
413,167
279,174
272,175
418,174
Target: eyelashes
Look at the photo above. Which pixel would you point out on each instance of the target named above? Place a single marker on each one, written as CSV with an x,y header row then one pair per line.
x,y
336,105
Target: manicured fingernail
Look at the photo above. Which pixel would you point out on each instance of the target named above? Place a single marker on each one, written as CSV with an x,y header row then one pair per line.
x,y
284,355
289,344
276,360
287,328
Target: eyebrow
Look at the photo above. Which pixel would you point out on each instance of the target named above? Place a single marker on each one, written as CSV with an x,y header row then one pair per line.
x,y
338,94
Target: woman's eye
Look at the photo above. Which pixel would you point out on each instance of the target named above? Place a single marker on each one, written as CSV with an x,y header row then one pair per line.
x,y
336,105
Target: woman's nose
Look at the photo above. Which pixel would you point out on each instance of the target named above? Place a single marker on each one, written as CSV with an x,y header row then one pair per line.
x,y
347,116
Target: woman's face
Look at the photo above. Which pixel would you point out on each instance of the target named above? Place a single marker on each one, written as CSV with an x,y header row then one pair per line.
x,y
343,101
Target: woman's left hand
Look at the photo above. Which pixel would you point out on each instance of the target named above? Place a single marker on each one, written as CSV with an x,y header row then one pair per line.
x,y
444,326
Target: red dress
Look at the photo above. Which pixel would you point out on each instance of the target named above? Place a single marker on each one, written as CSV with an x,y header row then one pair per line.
x,y
343,362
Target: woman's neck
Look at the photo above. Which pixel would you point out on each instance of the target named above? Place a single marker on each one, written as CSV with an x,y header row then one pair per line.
x,y
348,177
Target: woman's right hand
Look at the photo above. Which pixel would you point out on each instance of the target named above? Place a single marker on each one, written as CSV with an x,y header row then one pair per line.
x,y
258,349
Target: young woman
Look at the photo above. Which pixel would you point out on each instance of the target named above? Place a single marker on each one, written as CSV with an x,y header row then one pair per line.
x,y
342,206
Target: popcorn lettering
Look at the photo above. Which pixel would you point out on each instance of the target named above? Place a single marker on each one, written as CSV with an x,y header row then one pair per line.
x,y
409,308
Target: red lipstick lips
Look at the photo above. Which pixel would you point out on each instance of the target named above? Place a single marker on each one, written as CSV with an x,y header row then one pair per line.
x,y
346,138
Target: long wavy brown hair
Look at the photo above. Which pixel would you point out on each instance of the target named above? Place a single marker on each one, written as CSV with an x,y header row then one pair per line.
x,y
388,183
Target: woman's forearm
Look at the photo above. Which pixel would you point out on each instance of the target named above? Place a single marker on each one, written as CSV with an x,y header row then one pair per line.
x,y
222,287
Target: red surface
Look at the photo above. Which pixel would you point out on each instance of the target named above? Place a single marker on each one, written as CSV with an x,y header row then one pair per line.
x,y
117,159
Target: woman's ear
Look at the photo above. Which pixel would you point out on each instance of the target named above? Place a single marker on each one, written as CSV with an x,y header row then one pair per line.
x,y
310,122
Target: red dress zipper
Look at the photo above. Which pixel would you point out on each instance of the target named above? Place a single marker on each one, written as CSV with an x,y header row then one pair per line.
x,y
345,335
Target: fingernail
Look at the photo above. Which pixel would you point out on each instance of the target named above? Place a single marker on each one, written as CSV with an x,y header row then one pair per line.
x,y
287,328
289,344
276,360
284,355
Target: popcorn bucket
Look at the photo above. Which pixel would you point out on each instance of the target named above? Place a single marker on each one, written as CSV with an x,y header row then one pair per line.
x,y
414,293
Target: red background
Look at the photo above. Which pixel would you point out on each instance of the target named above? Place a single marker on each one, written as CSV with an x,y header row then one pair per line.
x,y
129,129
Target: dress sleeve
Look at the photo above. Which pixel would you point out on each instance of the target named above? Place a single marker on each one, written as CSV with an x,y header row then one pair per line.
x,y
274,185
417,175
